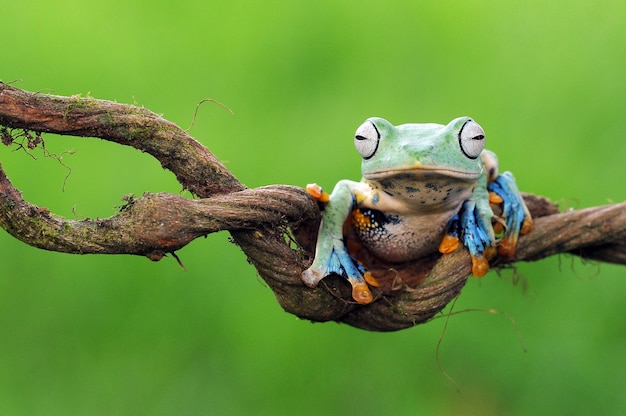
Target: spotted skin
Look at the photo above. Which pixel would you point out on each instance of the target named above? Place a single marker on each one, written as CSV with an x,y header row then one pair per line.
x,y
425,187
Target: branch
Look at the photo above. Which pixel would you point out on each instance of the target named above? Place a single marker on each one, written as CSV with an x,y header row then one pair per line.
x,y
259,219
124,124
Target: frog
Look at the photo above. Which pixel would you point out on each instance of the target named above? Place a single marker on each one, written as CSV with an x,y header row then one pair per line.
x,y
425,188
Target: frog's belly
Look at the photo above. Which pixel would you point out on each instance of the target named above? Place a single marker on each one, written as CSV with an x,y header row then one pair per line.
x,y
398,238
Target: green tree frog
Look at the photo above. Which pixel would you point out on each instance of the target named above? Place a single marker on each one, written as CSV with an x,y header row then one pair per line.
x,y
425,187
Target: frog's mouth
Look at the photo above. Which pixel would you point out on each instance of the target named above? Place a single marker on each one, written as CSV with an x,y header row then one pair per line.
x,y
419,172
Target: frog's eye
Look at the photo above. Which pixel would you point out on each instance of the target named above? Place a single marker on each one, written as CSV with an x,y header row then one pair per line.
x,y
366,139
472,139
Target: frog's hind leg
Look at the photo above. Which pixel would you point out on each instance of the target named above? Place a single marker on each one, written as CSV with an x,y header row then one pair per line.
x,y
516,216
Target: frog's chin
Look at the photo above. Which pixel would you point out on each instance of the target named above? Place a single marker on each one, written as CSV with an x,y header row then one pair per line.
x,y
421,172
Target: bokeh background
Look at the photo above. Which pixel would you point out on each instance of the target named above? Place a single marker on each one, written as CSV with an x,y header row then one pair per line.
x,y
115,335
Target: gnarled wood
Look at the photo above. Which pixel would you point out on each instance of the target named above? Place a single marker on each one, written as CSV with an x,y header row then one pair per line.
x,y
258,219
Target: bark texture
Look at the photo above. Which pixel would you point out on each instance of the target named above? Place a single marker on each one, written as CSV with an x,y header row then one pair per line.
x,y
276,226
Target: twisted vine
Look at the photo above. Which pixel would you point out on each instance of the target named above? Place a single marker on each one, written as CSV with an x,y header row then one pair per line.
x,y
258,219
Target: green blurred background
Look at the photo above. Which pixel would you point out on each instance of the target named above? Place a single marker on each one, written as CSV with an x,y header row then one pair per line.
x,y
114,335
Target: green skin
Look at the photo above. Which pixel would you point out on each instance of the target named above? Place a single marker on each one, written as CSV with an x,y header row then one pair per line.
x,y
416,177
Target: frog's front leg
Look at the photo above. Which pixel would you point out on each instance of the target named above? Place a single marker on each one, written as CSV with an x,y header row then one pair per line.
x,y
472,227
478,235
331,255
514,211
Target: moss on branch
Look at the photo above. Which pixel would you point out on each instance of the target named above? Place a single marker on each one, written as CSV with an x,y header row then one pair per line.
x,y
259,219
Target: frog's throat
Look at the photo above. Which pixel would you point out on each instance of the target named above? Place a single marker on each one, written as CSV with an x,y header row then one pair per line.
x,y
422,170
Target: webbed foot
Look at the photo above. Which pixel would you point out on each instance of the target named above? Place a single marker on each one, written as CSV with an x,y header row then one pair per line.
x,y
480,265
473,224
342,263
517,219
472,227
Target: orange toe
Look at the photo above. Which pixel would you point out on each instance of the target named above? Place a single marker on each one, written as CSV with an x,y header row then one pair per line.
x,y
449,244
498,225
507,247
494,198
317,192
527,225
370,279
490,252
480,266
361,293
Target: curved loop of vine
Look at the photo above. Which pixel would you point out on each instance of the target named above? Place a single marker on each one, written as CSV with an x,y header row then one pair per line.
x,y
275,226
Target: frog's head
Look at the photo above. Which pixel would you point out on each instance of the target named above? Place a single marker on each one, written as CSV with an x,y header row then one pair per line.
x,y
452,150
397,157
